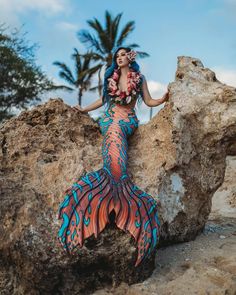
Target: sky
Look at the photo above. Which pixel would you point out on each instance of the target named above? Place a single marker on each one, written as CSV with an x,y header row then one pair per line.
x,y
203,29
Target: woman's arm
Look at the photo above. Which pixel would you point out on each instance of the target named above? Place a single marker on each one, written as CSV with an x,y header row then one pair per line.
x,y
149,101
95,105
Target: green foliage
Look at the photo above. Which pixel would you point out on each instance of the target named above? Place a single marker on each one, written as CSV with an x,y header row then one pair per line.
x,y
21,80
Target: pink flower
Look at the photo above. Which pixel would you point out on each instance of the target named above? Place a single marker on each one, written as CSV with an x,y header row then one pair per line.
x,y
123,94
112,86
115,76
131,55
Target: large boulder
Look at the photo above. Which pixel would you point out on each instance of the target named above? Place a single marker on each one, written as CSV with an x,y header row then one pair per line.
x,y
188,142
43,151
178,156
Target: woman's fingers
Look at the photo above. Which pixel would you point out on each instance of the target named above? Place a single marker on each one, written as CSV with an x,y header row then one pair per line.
x,y
77,108
167,95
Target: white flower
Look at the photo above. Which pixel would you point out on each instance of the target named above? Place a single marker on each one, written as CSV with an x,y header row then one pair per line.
x,y
128,99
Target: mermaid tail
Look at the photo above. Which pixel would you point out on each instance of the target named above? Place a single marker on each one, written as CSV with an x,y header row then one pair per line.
x,y
89,201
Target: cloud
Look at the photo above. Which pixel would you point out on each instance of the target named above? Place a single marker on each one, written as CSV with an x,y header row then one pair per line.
x,y
229,9
11,10
66,26
51,6
226,8
156,90
225,75
230,3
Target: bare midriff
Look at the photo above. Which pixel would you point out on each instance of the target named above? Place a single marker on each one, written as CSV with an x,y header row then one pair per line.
x,y
126,108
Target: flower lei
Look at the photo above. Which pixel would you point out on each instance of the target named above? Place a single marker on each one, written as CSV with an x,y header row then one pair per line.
x,y
124,97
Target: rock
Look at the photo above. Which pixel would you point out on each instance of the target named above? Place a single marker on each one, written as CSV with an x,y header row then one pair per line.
x,y
224,199
179,156
211,271
43,151
183,149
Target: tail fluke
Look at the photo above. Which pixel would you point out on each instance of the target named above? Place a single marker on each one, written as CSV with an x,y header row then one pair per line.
x,y
136,212
85,210
88,203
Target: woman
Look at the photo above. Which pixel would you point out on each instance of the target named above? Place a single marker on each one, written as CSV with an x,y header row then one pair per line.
x,y
88,202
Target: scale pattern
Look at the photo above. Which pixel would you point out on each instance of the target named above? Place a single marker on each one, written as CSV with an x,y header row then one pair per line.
x,y
89,201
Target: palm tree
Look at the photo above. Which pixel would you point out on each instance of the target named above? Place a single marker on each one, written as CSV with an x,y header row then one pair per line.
x,y
106,40
83,72
150,113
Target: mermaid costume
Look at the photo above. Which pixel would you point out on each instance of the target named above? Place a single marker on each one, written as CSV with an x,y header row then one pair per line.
x,y
89,201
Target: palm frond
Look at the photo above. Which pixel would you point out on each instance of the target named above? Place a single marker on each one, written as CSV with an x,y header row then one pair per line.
x,y
90,54
102,35
64,68
95,24
61,87
78,63
114,29
108,21
65,76
94,89
85,37
128,28
95,56
93,70
133,45
142,54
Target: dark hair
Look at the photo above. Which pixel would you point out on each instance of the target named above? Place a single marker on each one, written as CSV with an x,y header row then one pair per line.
x,y
133,65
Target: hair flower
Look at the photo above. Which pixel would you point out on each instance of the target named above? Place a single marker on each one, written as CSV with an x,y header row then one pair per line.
x,y
131,55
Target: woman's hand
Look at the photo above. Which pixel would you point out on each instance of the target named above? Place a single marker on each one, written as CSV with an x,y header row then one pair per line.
x,y
165,97
79,108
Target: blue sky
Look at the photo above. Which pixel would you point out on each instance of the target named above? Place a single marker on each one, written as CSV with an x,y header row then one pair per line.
x,y
202,29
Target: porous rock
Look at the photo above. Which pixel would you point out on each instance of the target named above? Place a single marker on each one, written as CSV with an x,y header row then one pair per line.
x,y
178,157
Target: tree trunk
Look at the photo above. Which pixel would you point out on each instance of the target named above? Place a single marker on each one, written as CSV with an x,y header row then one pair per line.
x,y
99,82
80,96
150,113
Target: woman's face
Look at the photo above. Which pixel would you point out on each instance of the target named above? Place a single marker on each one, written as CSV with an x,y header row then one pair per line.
x,y
121,58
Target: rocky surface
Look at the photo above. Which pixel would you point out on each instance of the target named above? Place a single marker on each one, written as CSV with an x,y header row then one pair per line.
x,y
187,141
180,155
224,199
43,151
205,265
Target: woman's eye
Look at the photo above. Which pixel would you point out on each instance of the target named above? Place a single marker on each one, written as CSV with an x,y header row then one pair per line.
x,y
122,54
